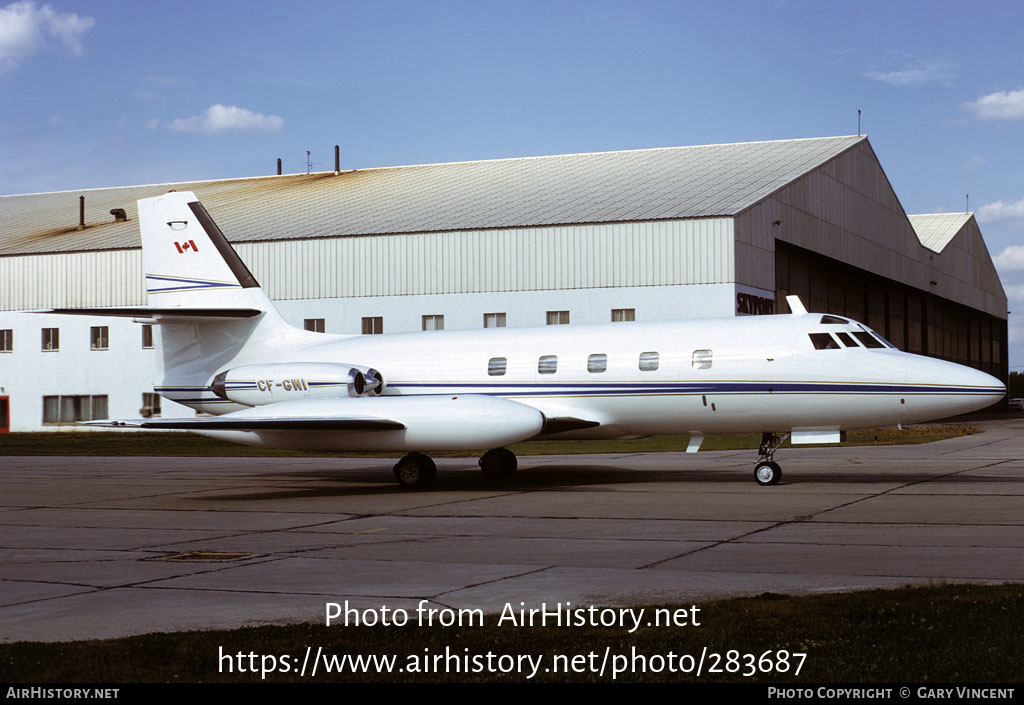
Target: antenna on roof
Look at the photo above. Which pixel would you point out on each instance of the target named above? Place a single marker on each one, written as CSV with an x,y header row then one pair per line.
x,y
310,163
858,122
967,203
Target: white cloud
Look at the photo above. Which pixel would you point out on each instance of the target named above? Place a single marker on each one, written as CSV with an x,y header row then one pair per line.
x,y
917,71
219,118
1001,211
24,27
1014,292
1010,258
1001,105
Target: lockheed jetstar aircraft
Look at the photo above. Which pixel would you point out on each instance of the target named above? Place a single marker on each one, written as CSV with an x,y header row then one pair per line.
x,y
226,352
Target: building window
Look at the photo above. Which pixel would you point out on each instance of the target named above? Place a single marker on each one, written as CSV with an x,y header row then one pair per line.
x,y
597,362
51,339
7,340
496,366
494,320
99,338
623,314
314,324
433,323
649,361
547,364
150,405
60,409
373,325
147,335
558,318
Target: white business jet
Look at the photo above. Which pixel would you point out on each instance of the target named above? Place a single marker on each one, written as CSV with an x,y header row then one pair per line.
x,y
225,351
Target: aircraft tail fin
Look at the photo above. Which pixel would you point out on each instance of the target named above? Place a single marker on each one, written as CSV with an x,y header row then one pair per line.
x,y
187,260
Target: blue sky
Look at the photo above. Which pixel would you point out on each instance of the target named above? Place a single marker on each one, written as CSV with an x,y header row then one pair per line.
x,y
110,93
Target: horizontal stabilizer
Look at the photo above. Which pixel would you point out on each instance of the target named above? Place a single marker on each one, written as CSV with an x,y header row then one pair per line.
x,y
234,423
170,314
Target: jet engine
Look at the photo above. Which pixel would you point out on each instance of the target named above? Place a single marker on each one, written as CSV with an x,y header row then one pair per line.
x,y
257,385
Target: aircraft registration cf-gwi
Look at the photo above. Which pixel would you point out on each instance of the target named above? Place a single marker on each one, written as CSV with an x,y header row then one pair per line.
x,y
227,352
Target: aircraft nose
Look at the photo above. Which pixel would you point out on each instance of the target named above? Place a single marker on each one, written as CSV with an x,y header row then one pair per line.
x,y
949,389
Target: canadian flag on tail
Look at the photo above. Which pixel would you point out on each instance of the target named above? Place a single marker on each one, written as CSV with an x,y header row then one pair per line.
x,y
182,246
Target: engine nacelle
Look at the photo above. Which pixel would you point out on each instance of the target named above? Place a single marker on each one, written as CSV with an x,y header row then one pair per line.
x,y
256,385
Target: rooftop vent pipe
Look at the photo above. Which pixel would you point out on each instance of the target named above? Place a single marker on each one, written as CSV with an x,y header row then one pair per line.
x,y
81,212
337,160
119,215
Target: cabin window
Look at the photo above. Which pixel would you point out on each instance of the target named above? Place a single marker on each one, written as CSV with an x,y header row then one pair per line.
x,y
373,325
867,339
598,362
824,341
7,340
701,359
51,339
313,324
433,323
558,318
623,314
847,340
494,320
99,338
147,335
649,361
547,364
496,366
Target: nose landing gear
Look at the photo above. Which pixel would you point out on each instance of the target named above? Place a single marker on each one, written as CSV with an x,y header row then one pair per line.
x,y
767,471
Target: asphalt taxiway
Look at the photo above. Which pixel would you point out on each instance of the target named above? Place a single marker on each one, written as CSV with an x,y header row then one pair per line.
x,y
104,547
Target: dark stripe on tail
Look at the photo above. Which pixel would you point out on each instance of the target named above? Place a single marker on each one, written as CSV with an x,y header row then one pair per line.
x,y
238,268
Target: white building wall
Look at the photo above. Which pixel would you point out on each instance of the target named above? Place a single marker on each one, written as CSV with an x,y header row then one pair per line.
x,y
122,372
528,308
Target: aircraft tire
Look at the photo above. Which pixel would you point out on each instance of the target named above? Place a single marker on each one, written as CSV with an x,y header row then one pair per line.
x,y
498,463
767,473
415,470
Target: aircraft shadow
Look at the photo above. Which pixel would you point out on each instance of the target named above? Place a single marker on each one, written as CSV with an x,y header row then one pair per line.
x,y
378,481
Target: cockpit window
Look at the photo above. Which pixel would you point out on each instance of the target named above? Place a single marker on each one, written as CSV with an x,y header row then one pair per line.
x,y
824,341
867,339
880,339
847,340
835,320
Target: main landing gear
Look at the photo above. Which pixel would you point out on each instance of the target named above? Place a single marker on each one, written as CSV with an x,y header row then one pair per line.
x,y
415,470
418,471
767,471
498,463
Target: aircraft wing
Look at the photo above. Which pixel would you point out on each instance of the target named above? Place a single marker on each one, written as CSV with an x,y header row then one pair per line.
x,y
165,314
228,423
389,422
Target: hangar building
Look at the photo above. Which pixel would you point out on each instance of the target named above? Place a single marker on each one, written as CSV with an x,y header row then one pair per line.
x,y
680,232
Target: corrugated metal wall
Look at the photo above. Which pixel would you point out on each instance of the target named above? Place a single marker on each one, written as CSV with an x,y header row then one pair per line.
x,y
847,211
655,253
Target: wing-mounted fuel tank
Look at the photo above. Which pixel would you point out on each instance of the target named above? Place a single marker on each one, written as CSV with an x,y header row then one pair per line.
x,y
256,385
